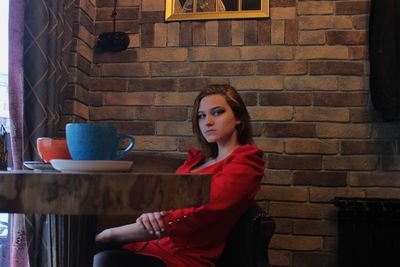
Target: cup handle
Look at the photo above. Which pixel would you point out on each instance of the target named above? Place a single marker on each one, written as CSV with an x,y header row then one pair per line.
x,y
128,148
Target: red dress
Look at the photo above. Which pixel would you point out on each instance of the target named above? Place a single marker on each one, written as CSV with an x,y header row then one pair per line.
x,y
196,236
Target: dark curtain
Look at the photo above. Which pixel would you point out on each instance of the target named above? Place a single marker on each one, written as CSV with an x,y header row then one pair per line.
x,y
384,53
40,53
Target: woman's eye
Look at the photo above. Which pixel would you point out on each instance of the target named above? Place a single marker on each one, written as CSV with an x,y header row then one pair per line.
x,y
201,116
218,112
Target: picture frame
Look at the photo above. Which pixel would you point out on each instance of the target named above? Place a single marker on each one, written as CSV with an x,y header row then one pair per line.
x,y
179,10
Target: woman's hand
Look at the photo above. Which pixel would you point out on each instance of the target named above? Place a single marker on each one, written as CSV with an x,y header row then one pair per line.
x,y
153,223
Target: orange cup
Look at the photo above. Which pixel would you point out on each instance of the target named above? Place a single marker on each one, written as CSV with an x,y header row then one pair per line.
x,y
52,148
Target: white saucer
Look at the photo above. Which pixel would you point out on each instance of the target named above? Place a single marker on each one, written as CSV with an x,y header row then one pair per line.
x,y
38,165
65,165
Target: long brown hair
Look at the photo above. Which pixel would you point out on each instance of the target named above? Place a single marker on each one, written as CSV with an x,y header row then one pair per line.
x,y
239,109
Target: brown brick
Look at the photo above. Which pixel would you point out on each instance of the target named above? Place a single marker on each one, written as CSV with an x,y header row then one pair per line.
x,y
320,178
157,143
185,34
291,31
305,259
229,69
155,5
224,33
257,82
295,210
129,26
315,8
283,226
192,84
294,162
121,3
264,32
350,163
334,130
352,8
282,13
266,52
368,147
279,257
325,22
285,99
277,177
152,17
100,84
361,22
162,54
127,99
214,54
152,84
282,3
340,99
329,194
376,179
277,31
256,127
313,227
104,14
346,37
112,113
311,83
283,193
291,242
125,70
237,32
249,98
284,68
290,130
173,34
391,163
338,68
360,115
128,56
250,32
199,33
187,142
271,113
388,193
353,83
269,146
322,114
212,32
358,52
168,128
174,99
175,69
311,146
322,52
147,35
135,128
330,212
161,113
311,37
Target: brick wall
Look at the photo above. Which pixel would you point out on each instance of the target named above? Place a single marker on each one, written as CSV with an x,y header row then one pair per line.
x,y
304,76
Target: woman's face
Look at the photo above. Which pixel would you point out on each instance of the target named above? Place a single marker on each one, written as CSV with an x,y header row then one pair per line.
x,y
217,121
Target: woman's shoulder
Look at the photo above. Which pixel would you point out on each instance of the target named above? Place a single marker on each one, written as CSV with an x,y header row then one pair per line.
x,y
247,155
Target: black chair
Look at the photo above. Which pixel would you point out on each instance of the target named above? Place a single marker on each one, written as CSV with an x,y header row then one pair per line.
x,y
247,244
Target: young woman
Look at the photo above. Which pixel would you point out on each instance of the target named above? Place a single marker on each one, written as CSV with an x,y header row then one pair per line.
x,y
195,237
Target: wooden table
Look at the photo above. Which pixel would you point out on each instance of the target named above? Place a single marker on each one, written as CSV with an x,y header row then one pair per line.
x,y
89,195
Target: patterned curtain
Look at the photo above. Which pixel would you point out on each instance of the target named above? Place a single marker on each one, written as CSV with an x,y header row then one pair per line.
x,y
35,108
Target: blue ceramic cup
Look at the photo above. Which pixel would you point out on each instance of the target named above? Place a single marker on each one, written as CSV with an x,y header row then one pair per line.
x,y
88,141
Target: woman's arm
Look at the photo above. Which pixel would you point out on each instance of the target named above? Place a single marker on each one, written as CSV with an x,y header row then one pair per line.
x,y
133,232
